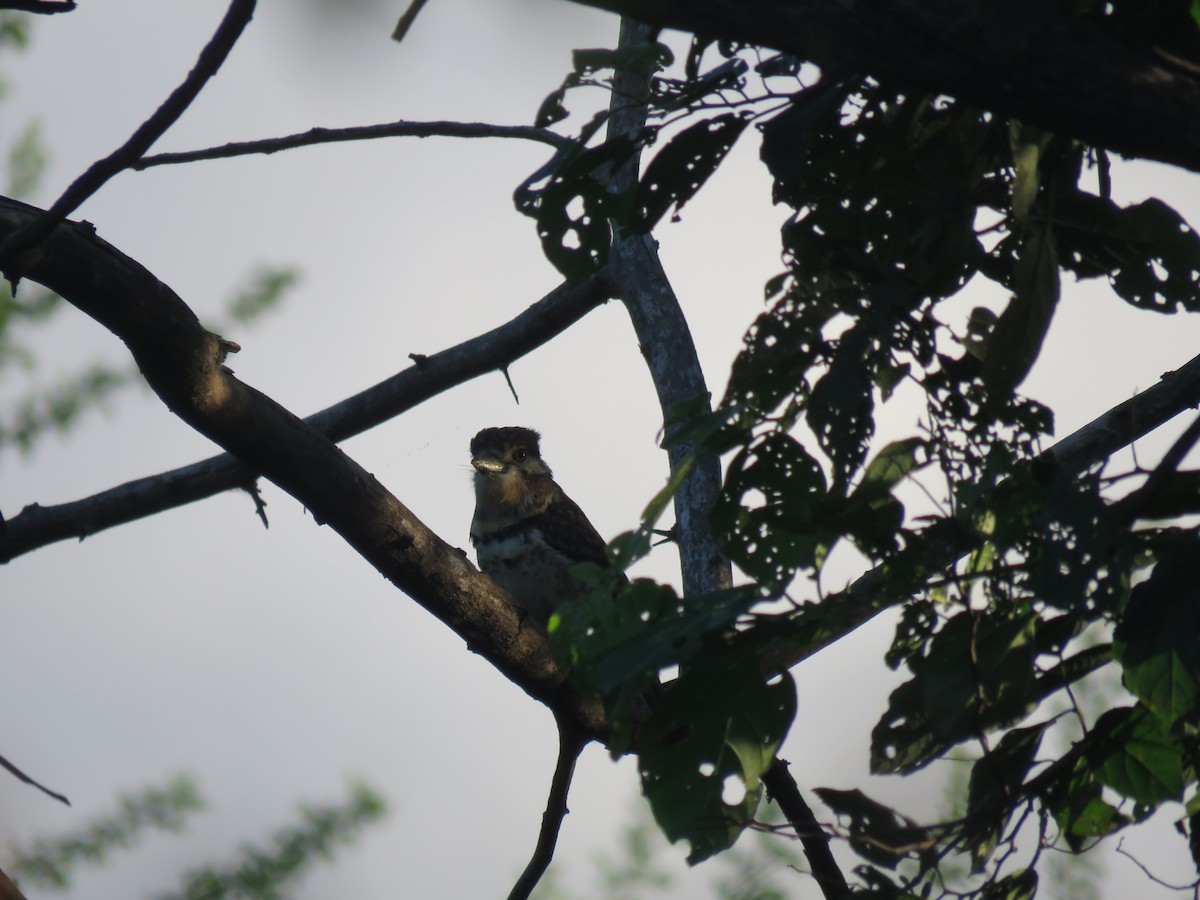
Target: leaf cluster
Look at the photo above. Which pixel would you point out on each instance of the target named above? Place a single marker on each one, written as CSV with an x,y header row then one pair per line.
x,y
1014,562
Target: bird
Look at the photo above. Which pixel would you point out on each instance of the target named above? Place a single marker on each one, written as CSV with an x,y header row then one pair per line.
x,y
526,531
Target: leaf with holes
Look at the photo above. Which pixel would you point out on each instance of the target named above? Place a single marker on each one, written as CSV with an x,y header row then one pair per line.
x,y
704,750
680,168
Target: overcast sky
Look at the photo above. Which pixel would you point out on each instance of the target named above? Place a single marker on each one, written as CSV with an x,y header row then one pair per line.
x,y
274,664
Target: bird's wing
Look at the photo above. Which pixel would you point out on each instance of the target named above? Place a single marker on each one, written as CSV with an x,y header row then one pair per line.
x,y
567,530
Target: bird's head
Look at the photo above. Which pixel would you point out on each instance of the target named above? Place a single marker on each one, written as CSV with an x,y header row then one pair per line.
x,y
509,468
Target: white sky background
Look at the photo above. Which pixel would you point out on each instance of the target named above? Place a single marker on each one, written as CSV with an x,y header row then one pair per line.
x,y
273,664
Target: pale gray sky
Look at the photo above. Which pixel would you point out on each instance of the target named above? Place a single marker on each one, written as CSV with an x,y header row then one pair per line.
x,y
273,664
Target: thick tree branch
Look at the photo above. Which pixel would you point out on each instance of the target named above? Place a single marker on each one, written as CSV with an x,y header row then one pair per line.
x,y
1067,75
182,363
36,526
357,133
666,344
210,60
46,7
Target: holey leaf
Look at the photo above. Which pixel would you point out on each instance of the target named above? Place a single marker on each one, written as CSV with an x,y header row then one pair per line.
x,y
680,168
1157,641
704,750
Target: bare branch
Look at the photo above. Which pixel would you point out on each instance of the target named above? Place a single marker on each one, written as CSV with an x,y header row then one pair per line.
x,y
182,363
210,60
570,745
666,343
36,526
356,133
783,790
406,20
1064,73
47,7
21,776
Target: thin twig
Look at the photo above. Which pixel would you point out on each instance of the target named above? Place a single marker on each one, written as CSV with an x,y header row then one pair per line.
x,y
784,791
209,61
1128,508
316,136
570,744
17,773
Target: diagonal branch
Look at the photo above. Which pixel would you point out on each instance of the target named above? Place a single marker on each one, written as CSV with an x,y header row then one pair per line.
x,y
183,364
36,526
666,343
210,60
846,610
357,133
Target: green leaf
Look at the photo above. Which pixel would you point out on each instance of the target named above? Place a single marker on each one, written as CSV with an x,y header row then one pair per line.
x,y
977,674
1020,885
1136,756
877,833
714,734
681,167
893,464
1016,341
993,786
1156,641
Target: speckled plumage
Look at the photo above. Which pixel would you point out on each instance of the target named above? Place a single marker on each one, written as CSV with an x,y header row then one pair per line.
x,y
527,532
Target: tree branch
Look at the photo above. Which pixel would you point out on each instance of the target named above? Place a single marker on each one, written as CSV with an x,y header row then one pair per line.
x,y
783,790
1068,75
570,745
1125,423
666,343
47,7
356,133
36,526
182,363
211,57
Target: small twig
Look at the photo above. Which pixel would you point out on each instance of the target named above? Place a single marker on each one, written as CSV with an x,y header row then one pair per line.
x,y
209,61
47,7
17,773
356,133
783,790
1190,886
406,20
570,744
511,387
260,505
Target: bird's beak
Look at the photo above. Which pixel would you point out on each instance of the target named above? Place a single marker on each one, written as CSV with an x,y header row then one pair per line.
x,y
487,465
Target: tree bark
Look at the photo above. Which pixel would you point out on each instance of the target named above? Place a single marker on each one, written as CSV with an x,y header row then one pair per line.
x,y
1066,75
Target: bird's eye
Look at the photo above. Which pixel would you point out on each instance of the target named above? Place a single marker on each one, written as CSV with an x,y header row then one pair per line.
x,y
521,455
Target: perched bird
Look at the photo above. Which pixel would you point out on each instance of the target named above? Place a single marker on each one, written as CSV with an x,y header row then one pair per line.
x,y
527,532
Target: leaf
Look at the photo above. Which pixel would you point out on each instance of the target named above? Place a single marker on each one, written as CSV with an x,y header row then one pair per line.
x,y
1157,641
1016,341
1027,145
877,833
892,464
1135,755
718,727
977,674
1021,885
681,167
993,786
